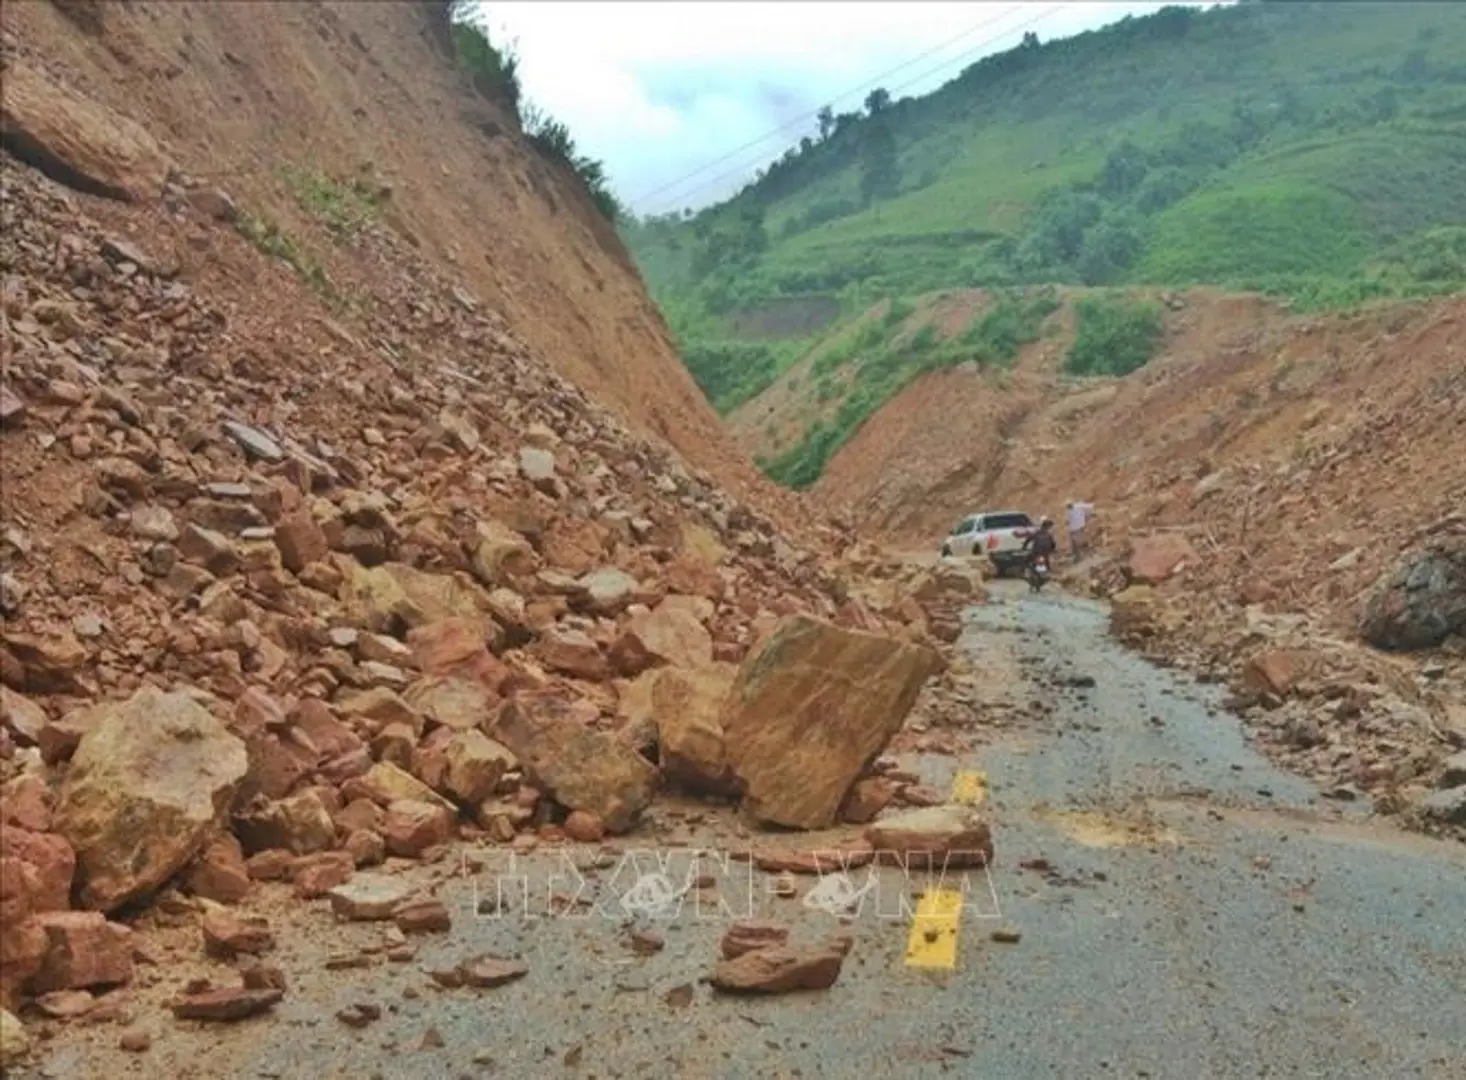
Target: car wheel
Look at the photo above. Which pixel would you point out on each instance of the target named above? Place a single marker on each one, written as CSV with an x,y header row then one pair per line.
x,y
946,551
999,568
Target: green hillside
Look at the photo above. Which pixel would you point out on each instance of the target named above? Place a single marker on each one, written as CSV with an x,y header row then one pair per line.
x,y
1314,151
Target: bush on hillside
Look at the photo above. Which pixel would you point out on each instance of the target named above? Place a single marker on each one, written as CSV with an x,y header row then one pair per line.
x,y
1116,336
494,72
1011,323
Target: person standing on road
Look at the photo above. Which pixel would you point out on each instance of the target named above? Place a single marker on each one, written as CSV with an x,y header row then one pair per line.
x,y
1078,519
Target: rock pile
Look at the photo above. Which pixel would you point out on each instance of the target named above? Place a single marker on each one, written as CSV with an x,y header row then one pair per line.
x,y
284,598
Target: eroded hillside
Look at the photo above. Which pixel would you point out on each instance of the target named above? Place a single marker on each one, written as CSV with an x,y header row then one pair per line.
x,y
324,546
1264,474
284,112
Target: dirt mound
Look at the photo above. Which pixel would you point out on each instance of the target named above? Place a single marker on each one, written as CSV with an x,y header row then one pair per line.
x,y
366,92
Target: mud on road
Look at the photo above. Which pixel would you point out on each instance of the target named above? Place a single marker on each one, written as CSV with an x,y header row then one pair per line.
x,y
1164,903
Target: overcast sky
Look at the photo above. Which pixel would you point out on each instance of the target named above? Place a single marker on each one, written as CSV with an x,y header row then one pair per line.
x,y
660,91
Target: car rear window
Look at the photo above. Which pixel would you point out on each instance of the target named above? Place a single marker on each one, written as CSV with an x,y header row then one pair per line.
x,y
1006,521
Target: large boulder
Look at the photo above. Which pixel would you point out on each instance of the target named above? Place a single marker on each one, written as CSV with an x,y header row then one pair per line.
x,y
581,768
1421,602
685,706
35,872
1137,613
1154,559
77,140
1277,672
148,786
809,712
394,598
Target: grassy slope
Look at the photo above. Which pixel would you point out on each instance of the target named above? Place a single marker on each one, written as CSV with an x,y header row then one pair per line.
x,y
1316,151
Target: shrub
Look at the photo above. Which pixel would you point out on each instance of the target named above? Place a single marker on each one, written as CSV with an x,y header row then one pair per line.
x,y
1115,337
494,72
344,208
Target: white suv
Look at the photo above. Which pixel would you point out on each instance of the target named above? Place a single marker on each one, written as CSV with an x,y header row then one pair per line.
x,y
999,536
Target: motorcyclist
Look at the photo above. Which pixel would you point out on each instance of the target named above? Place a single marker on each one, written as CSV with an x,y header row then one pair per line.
x,y
1041,542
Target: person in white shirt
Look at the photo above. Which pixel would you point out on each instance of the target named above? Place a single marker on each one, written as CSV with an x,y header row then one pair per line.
x,y
1078,517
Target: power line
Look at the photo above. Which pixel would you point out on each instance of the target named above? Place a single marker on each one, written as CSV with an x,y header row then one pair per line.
x,y
804,118
911,82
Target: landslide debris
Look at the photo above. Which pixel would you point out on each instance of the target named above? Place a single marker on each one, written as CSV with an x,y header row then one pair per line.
x,y
290,593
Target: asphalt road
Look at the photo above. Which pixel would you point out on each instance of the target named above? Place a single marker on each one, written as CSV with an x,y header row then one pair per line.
x,y
1184,909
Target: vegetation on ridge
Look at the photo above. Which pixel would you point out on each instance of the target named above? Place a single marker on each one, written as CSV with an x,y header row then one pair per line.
x,y
494,72
1315,152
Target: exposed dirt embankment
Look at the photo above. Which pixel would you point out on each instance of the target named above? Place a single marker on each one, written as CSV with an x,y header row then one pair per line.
x,y
349,90
1265,475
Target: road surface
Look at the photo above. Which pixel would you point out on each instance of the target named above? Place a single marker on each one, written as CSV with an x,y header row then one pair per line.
x,y
1184,909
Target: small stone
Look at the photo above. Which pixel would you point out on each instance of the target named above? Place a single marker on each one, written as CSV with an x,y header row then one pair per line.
x,y
260,976
359,1014
779,969
136,1040
1006,935
646,942
750,934
225,1004
227,934
316,875
347,961
12,408
488,972
270,865
154,523
422,917
367,848
368,897
254,442
66,1004
410,827
432,1039
584,827
449,977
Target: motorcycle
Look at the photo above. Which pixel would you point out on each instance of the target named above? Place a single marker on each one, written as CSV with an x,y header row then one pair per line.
x,y
1037,573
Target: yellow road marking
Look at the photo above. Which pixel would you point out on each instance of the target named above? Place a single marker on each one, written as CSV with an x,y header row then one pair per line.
x,y
932,942
969,787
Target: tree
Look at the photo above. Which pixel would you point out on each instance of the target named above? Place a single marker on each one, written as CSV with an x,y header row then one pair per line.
x,y
1124,169
876,100
826,119
879,172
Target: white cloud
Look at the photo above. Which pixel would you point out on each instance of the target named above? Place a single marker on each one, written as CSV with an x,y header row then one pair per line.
x,y
659,90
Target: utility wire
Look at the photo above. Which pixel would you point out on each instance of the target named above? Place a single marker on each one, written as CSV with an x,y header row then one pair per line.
x,y
802,119
910,82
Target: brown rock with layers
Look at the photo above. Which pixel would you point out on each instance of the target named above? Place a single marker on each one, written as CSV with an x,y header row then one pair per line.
x,y
581,768
149,784
810,710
